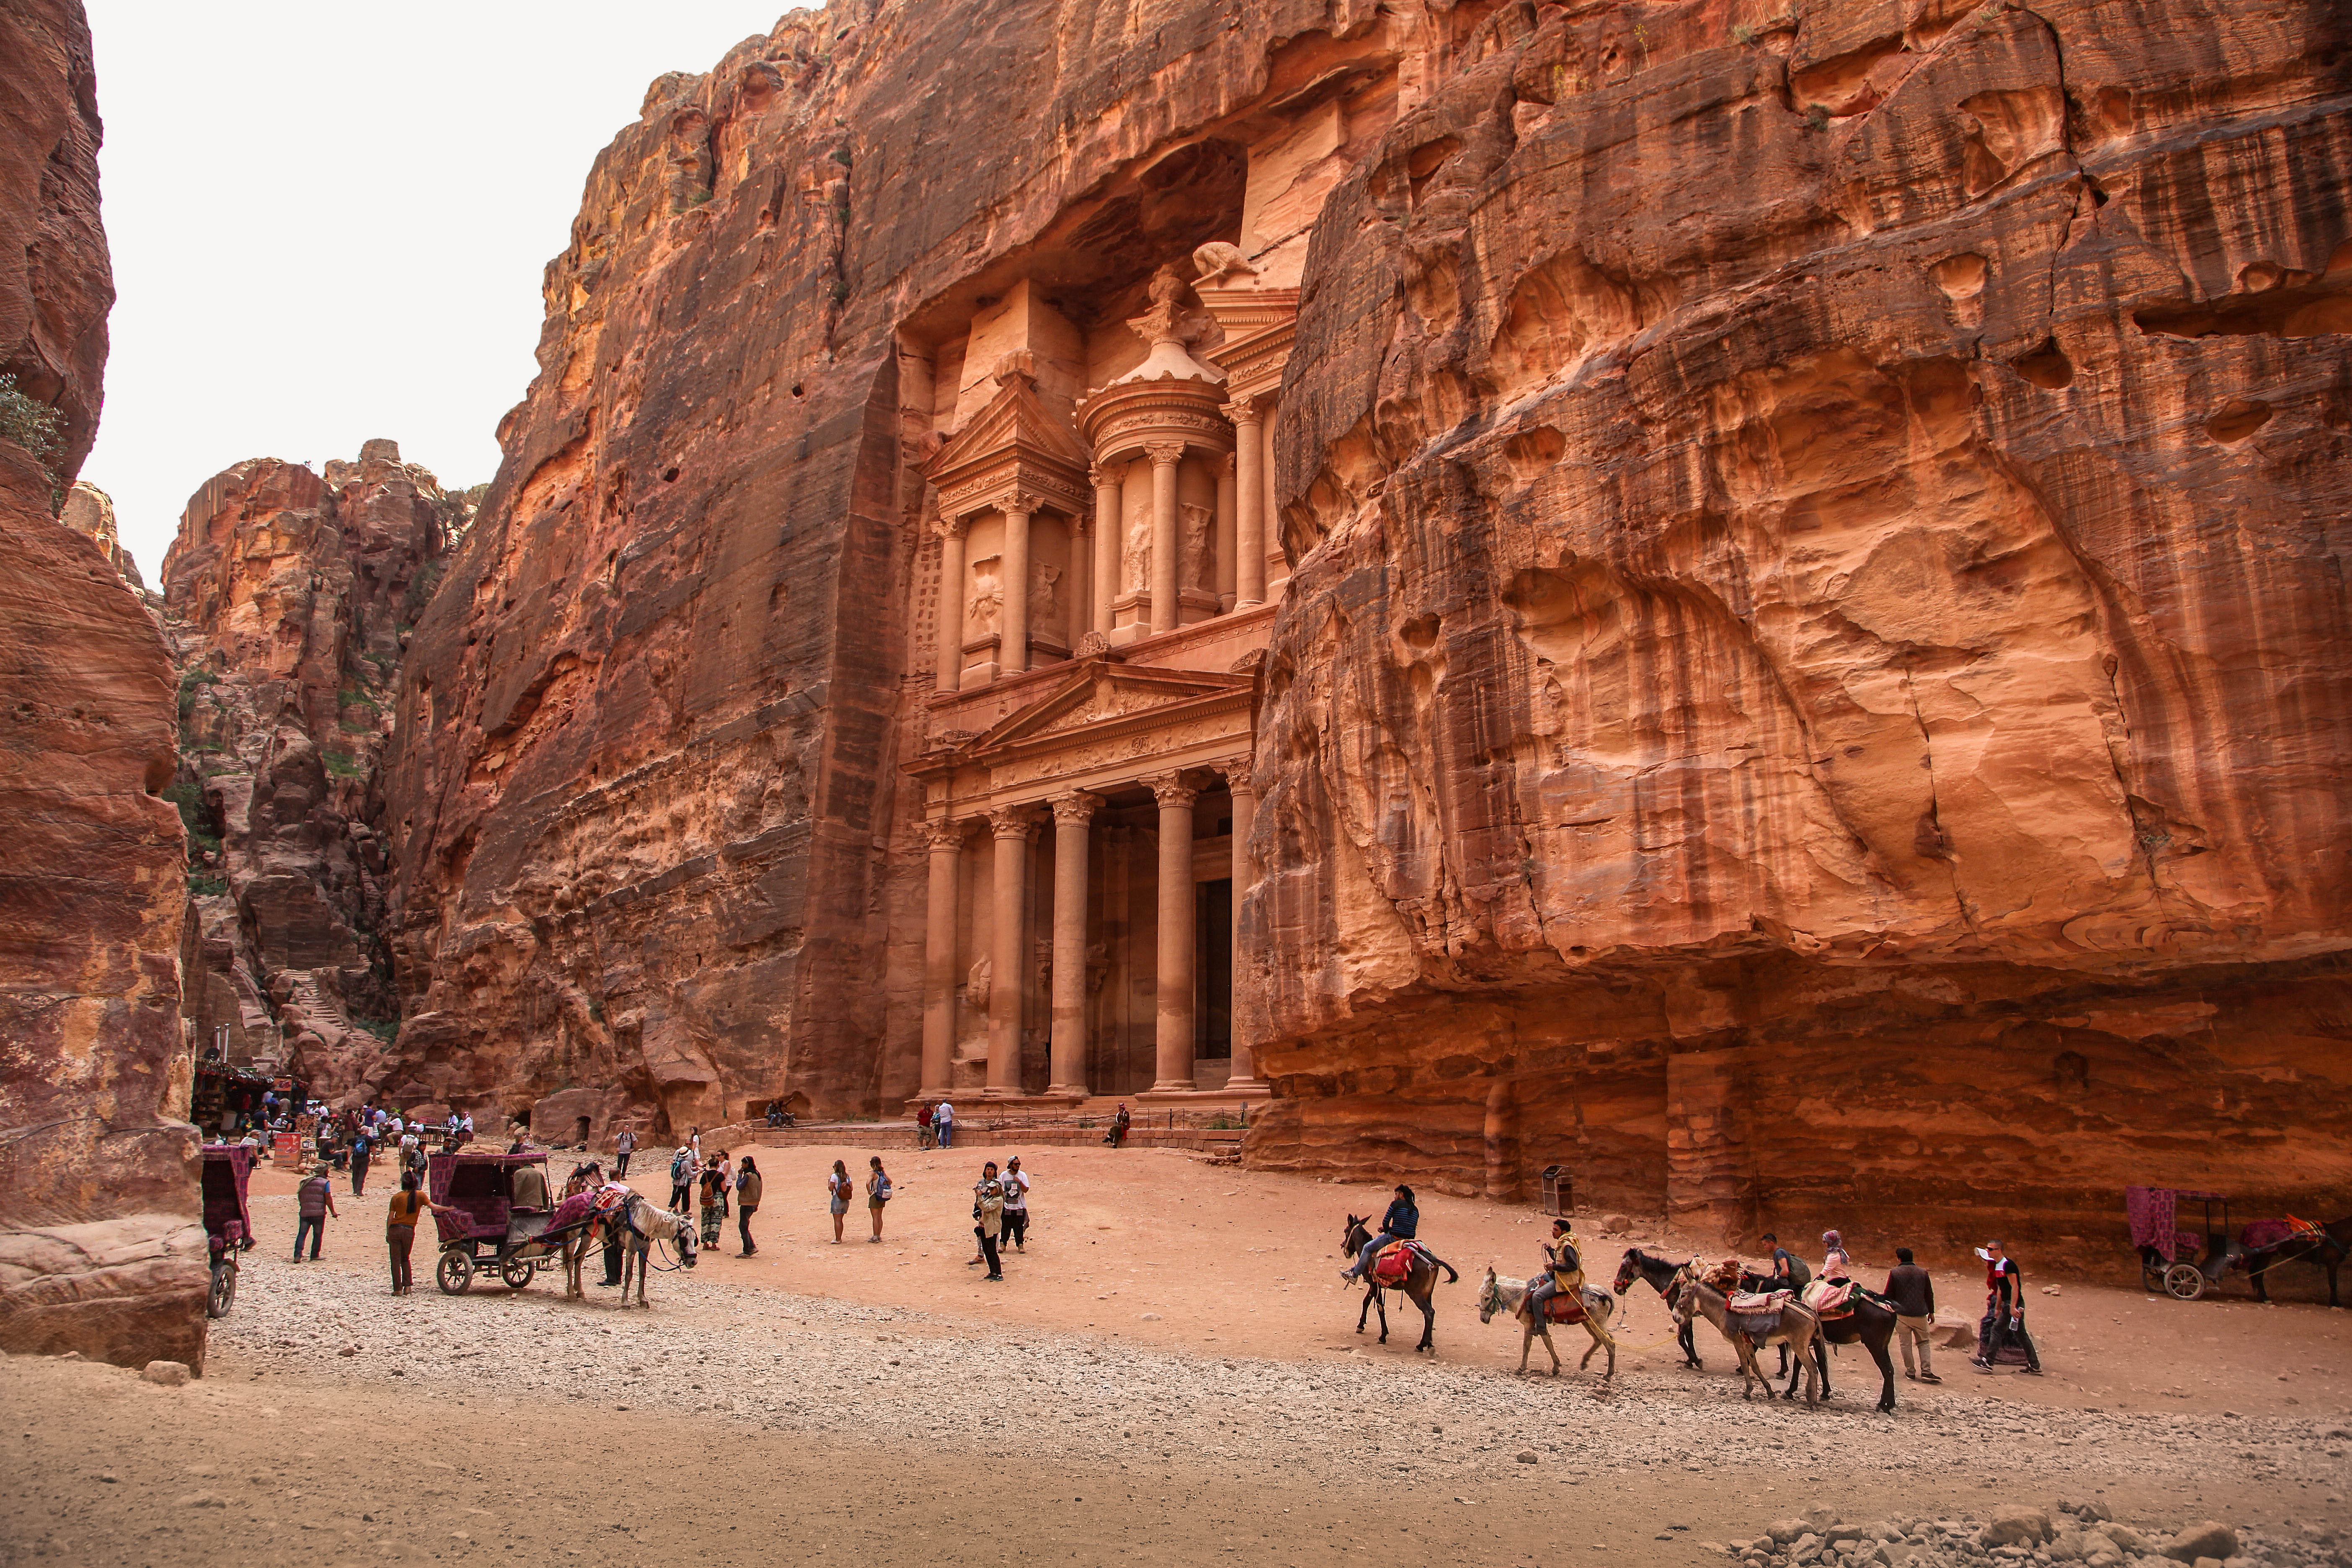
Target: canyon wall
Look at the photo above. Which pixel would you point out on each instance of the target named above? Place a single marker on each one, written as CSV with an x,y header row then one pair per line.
x,y
652,861
1816,685
288,598
101,1249
1815,671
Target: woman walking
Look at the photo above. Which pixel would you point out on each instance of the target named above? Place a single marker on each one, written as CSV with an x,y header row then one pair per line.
x,y
837,1188
748,1187
400,1230
877,1193
988,1213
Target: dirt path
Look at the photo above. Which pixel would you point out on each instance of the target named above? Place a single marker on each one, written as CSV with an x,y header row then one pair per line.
x,y
1166,1372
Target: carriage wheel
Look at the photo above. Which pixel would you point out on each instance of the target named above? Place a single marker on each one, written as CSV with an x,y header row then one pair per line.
x,y
224,1290
517,1272
454,1273
2184,1281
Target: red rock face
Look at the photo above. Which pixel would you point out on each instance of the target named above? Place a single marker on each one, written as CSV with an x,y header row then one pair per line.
x,y
1814,677
289,600
1817,671
101,1251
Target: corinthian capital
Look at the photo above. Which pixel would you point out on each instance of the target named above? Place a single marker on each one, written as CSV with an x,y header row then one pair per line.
x,y
951,528
1170,789
1164,453
1243,411
945,834
1013,822
1076,808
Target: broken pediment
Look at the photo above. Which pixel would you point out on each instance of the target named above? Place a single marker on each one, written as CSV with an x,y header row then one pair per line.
x,y
1013,443
1101,694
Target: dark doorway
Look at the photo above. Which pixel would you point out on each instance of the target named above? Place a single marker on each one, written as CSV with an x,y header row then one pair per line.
x,y
1212,1003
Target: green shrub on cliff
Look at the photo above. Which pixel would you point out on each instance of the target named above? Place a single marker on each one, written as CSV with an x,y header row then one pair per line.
x,y
34,425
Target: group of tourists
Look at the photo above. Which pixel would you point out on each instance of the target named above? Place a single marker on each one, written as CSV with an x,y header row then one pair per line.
x,y
935,1125
1909,1293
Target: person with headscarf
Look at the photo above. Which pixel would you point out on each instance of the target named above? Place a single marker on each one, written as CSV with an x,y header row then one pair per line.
x,y
1562,1273
1836,1266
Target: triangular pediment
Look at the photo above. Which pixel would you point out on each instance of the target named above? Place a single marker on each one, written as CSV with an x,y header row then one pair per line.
x,y
1099,692
1016,423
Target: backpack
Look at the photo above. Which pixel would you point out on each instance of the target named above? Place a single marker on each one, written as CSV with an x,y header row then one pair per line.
x,y
679,1163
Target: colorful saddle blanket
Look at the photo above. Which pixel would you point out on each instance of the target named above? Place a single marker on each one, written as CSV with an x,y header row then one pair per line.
x,y
569,1212
1830,1298
1392,1264
1722,1277
1564,1309
1761,1302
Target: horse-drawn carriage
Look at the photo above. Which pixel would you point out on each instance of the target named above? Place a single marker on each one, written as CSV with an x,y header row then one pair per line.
x,y
489,1229
228,1223
2182,1263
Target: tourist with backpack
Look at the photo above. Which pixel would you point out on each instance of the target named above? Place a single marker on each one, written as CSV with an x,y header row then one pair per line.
x,y
877,1193
623,1146
837,1188
682,1169
748,1188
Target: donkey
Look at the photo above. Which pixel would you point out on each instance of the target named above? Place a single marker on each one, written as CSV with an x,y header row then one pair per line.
x,y
1796,1327
1866,1323
1501,1293
1418,1284
644,1226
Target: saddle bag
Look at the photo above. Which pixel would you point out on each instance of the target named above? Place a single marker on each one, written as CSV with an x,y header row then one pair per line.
x,y
1392,1264
1564,1309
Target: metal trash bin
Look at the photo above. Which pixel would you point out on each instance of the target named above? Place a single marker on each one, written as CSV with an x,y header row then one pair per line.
x,y
1559,1195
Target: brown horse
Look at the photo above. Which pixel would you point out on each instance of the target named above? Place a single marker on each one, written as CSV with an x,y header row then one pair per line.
x,y
1418,1284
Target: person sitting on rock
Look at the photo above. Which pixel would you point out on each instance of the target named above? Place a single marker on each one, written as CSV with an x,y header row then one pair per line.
x,y
1401,1223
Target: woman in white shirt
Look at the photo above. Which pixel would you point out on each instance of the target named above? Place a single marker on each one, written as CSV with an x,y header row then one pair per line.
x,y
1015,1182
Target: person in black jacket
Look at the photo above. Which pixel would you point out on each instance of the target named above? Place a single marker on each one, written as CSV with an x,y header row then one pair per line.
x,y
2004,1321
1913,1295
1400,1224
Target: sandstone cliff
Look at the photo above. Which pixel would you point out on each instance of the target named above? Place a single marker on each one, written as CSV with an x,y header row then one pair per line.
x,y
101,1248
1815,671
288,598
90,510
1817,678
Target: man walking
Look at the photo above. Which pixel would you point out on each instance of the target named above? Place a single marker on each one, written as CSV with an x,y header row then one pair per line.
x,y
2005,1312
748,1190
1791,1273
944,1123
317,1198
623,1146
362,1146
1913,1295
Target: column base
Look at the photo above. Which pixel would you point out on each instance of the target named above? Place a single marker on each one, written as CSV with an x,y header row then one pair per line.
x,y
1255,1088
1067,1091
1169,1085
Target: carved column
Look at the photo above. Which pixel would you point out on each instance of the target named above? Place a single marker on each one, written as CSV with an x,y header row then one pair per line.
x,y
1110,542
950,612
1081,579
1174,1072
1245,1079
1013,650
1226,528
940,965
1269,540
1073,821
1014,829
1167,550
1249,518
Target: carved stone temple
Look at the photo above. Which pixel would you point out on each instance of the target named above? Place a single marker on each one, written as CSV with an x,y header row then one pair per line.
x,y
1106,578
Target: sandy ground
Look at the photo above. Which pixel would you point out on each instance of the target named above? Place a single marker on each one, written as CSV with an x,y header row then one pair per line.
x,y
1169,1373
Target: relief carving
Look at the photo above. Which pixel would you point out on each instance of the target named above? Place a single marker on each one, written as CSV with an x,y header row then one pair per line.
x,y
985,608
1199,523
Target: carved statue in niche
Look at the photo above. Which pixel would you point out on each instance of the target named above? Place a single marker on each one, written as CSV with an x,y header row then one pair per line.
x,y
987,605
1197,522
976,984
1219,261
1137,558
1042,599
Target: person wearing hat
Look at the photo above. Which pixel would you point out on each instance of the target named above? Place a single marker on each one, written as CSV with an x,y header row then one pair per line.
x,y
1400,1224
2004,1322
317,1197
1562,1273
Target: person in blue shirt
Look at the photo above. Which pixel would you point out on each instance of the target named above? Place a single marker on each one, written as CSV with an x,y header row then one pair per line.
x,y
1400,1224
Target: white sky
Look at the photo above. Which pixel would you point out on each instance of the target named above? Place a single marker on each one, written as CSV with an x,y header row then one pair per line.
x,y
327,219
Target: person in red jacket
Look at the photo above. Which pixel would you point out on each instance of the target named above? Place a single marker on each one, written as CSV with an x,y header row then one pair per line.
x,y
2004,1312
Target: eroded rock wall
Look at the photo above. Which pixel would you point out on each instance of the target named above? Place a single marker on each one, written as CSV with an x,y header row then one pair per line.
x,y
1819,640
290,598
646,774
101,1249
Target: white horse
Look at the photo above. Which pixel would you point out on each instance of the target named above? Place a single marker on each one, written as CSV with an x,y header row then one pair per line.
x,y
1501,1293
647,1225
